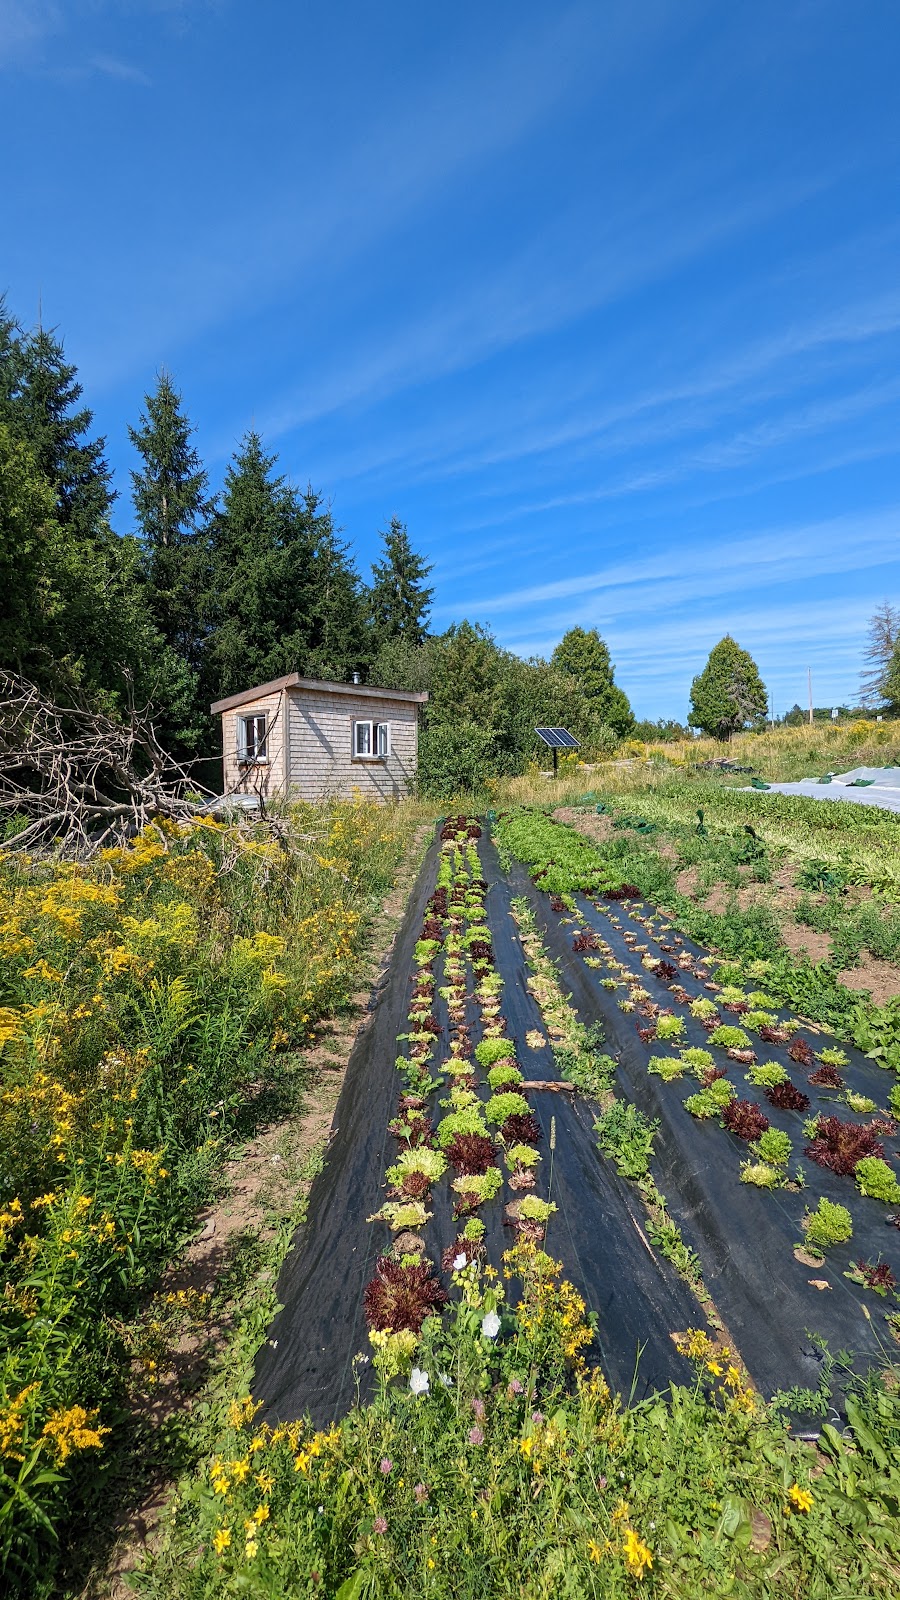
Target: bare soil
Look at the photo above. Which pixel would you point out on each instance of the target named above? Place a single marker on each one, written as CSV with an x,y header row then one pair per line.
x,y
262,1183
881,978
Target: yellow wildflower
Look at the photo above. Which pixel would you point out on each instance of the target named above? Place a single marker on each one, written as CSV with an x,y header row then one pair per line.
x,y
800,1499
72,1430
637,1556
596,1551
221,1539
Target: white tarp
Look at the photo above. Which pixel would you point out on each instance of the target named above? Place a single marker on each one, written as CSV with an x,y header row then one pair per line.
x,y
883,788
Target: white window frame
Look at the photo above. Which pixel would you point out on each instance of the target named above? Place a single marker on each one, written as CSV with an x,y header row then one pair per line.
x,y
253,752
377,735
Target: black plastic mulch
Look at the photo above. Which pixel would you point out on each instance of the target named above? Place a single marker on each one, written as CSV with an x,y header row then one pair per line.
x,y
599,1232
306,1363
743,1236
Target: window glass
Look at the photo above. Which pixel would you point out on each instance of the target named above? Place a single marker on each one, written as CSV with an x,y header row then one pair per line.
x,y
383,739
253,738
364,738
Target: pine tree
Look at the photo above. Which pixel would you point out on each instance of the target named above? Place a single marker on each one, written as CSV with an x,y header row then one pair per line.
x,y
585,656
729,693
883,639
398,599
169,493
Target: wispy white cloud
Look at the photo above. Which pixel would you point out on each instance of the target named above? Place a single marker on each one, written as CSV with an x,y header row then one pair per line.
x,y
112,67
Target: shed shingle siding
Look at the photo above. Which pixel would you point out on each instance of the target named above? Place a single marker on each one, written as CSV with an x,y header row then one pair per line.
x,y
310,744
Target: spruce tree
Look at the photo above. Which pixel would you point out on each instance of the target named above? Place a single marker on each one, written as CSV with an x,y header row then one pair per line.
x,y
338,645
169,492
729,693
43,409
259,605
399,601
585,657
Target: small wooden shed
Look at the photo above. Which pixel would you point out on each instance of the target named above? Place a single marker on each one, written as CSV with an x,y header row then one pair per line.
x,y
314,740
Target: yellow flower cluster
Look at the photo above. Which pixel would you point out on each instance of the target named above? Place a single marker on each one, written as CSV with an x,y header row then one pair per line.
x,y
716,1360
73,1429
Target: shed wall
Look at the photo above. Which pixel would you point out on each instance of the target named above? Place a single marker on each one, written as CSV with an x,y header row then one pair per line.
x,y
321,764
267,778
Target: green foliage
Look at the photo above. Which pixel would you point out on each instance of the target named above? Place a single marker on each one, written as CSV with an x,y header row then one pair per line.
x,y
729,1037
500,1077
711,1101
729,693
762,1174
487,1051
774,1146
625,1134
828,1224
501,1106
875,1178
666,1067
697,1059
399,600
585,657
766,1074
670,1028
455,758
468,1121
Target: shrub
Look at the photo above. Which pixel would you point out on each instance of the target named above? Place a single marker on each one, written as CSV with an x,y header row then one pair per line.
x,y
730,1038
744,1119
876,1179
775,1147
766,1074
828,1224
787,1097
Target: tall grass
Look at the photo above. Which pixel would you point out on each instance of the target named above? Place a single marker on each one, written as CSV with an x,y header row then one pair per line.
x,y
151,1002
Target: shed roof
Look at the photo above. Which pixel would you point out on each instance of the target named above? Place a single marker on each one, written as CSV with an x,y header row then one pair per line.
x,y
293,680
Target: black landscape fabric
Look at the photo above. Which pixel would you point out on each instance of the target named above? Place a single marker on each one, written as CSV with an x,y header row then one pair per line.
x,y
769,1302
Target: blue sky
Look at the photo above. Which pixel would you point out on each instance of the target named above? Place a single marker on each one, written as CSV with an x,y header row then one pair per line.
x,y
601,299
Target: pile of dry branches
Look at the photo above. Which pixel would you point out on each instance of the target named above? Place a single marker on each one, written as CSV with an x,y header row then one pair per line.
x,y
78,779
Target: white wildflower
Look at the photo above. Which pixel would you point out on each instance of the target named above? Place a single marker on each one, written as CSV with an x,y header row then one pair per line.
x,y
418,1381
490,1325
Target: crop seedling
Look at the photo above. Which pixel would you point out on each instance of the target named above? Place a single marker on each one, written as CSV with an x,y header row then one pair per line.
x,y
666,1067
761,1174
775,1147
766,1074
668,1028
744,1119
787,1097
711,1101
840,1146
730,1037
859,1103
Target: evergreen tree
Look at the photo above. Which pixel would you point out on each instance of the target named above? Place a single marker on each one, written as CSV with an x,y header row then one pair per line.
x,y
42,407
729,693
28,597
398,599
338,644
169,493
585,657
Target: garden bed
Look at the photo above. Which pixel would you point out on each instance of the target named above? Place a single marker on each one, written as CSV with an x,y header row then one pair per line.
x,y
772,1300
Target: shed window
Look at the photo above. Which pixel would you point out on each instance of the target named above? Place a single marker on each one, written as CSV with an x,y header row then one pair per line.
x,y
252,737
371,741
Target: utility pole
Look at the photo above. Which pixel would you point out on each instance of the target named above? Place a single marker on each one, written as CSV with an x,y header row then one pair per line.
x,y
809,685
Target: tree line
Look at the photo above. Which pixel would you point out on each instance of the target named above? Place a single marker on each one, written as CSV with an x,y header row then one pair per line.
x,y
216,591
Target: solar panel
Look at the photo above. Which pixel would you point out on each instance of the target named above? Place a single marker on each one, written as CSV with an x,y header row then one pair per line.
x,y
557,738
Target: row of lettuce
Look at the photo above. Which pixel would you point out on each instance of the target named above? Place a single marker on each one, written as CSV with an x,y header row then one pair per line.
x,y
691,993
493,1459
151,1001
